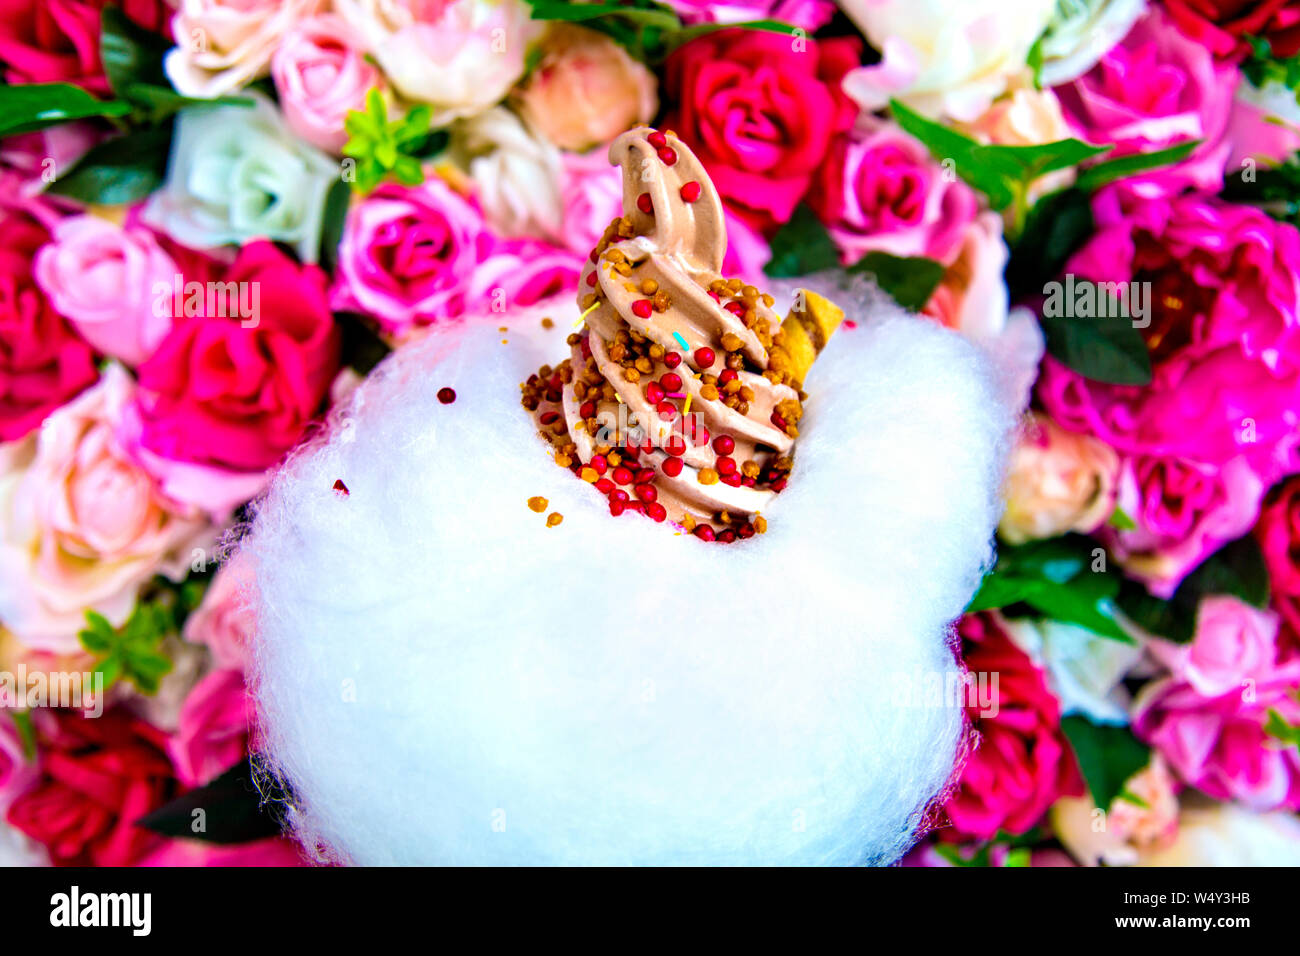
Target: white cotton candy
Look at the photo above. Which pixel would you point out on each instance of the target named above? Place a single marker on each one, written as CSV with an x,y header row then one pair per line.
x,y
443,679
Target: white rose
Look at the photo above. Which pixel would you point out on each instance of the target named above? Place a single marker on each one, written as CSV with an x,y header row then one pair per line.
x,y
1228,835
1081,32
460,57
237,173
517,175
222,45
1084,669
942,58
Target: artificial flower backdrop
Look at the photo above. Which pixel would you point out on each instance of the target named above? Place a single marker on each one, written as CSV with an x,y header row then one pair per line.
x,y
349,172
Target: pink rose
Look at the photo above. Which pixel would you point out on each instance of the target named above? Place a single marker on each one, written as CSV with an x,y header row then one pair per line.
x,y
1223,332
416,255
321,73
585,90
1207,717
43,362
101,276
1154,89
591,195
233,393
57,41
83,525
31,160
879,190
223,620
1023,762
213,733
17,771
273,851
809,15
1278,534
760,112
1184,511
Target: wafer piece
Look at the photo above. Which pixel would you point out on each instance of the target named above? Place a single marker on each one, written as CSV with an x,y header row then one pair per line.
x,y
805,333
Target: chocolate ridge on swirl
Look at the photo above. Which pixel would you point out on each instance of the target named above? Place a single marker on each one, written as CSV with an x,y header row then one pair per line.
x,y
700,435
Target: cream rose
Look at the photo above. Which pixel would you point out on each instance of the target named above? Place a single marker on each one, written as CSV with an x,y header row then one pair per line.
x,y
1057,481
223,45
459,56
81,524
1128,830
943,59
238,173
1080,33
586,89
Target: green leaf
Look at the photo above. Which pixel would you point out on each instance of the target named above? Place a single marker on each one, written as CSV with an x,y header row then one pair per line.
x,y
910,280
34,106
1054,228
130,53
1278,727
383,148
1035,62
1101,174
362,348
232,811
1106,349
1108,756
1237,569
337,202
26,731
121,170
1120,520
801,246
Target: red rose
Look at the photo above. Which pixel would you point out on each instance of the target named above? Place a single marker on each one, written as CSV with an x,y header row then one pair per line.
x,y
1278,533
1023,762
236,391
760,110
43,362
57,41
98,776
1222,25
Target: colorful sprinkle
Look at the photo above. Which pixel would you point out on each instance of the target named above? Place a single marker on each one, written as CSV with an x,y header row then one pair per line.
x,y
553,519
446,395
681,341
538,503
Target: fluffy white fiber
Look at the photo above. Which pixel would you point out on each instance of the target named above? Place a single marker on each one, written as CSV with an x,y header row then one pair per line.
x,y
443,679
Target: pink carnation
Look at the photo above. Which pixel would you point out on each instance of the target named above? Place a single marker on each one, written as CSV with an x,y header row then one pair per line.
x,y
1154,89
1223,334
416,255
1207,717
880,190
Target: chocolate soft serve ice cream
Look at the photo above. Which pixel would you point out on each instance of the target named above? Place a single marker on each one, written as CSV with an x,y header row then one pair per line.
x,y
682,396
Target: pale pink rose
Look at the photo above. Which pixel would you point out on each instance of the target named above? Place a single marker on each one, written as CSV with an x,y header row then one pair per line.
x,y
101,277
458,56
223,45
31,161
1184,510
82,525
1264,126
1057,481
223,620
972,299
320,74
17,770
1216,741
586,89
591,193
879,189
1130,829
213,732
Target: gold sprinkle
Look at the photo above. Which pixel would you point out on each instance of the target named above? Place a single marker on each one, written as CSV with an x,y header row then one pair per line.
x,y
588,474
548,323
708,476
760,524
538,503
553,519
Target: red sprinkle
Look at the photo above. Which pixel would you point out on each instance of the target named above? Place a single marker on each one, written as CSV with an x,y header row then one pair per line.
x,y
654,393
726,466
642,308
656,511
727,537
666,411
548,418
646,493
341,488
591,278
587,409
616,507
657,139
623,475
704,532
699,434
732,479
778,485
446,395
704,357
672,467
643,203
599,463
671,381
619,495
672,359
735,308
726,375
724,445
675,446
604,485
667,155
690,191
645,476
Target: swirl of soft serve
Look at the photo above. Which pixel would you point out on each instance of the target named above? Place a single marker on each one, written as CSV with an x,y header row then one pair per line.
x,y
678,400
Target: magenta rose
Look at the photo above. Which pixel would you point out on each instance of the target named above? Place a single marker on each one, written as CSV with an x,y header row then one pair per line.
x,y
212,735
1157,88
879,190
760,110
43,362
57,41
273,851
1184,511
236,392
1207,717
98,776
416,255
1223,334
809,15
1023,762
1278,533
1223,25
